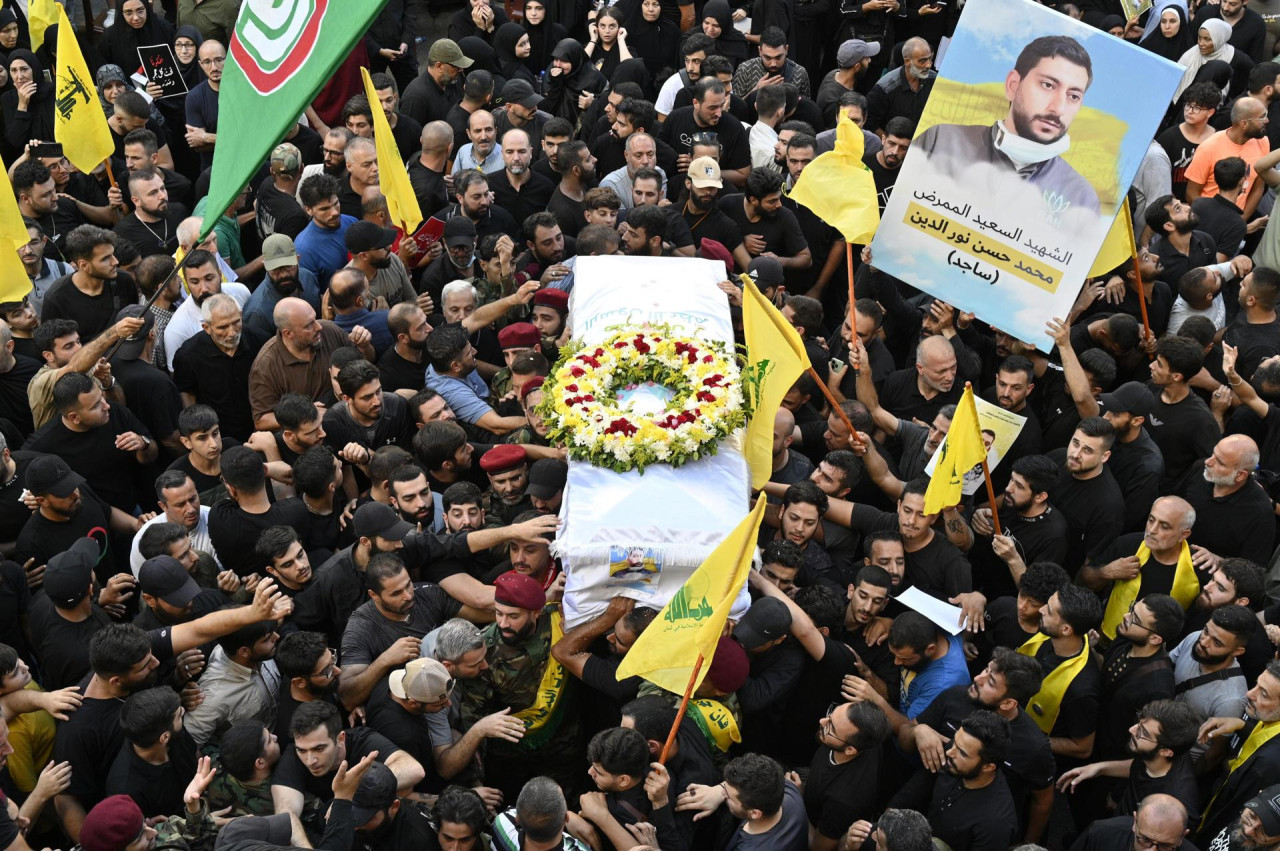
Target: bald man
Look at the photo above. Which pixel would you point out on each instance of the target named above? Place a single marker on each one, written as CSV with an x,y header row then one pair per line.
x,y
1234,514
920,391
1169,525
427,170
1160,822
788,467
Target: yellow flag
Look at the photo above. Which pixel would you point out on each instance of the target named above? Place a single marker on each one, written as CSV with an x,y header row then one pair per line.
x,y
41,14
839,189
79,123
1118,246
775,359
392,176
14,283
962,450
691,624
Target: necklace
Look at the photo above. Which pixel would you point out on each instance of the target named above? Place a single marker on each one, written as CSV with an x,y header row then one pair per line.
x,y
161,240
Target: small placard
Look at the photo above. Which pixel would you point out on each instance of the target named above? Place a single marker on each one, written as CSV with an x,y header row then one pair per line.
x,y
160,66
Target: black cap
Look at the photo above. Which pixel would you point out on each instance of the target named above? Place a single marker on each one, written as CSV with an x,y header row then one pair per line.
x,y
1132,397
373,519
367,236
376,792
765,271
1266,806
131,347
519,91
767,619
164,577
547,477
459,231
49,475
67,576
274,830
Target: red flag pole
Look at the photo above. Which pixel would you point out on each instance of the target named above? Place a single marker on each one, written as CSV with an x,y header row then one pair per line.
x,y
684,705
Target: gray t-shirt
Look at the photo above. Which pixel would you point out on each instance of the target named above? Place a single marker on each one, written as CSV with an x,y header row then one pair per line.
x,y
1221,698
369,633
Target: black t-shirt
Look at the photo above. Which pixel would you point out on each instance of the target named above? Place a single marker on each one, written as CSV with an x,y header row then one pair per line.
x,y
394,427
568,212
680,128
399,374
837,795
1201,252
62,646
1181,151
15,600
113,473
203,370
781,232
1179,781
14,405
278,212
410,732
818,688
152,237
884,177
1128,684
1040,538
1003,629
1240,524
937,568
42,538
713,224
209,487
92,314
369,633
150,394
1185,432
1221,219
1078,712
1256,342
531,198
156,789
360,742
1138,468
14,514
234,532
427,185
900,395
1094,509
973,819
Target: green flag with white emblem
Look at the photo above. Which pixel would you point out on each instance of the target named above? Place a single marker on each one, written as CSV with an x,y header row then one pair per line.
x,y
281,53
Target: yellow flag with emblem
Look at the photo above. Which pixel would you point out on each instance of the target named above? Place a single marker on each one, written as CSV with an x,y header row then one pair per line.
x,y
41,14
691,624
78,121
838,186
962,450
14,283
1118,246
775,359
392,176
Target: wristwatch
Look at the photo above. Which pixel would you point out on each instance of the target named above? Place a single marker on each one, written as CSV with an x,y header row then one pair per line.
x,y
146,442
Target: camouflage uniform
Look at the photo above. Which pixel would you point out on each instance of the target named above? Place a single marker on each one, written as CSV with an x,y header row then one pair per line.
x,y
184,832
245,799
505,514
526,435
500,385
513,679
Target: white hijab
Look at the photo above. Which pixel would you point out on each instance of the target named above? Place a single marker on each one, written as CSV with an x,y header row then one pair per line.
x,y
1193,60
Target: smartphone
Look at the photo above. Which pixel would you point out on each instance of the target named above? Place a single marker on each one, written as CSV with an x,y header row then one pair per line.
x,y
47,77
836,364
47,149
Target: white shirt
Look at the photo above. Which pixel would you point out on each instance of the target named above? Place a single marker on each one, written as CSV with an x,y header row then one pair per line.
x,y
1217,313
198,536
762,139
667,94
619,180
185,323
233,693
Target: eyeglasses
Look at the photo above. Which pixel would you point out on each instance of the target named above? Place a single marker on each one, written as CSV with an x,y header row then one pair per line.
x,y
327,673
217,60
1142,733
1143,841
1191,107
828,726
706,137
1133,618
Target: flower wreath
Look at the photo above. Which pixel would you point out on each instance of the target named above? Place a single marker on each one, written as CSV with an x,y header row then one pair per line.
x,y
583,411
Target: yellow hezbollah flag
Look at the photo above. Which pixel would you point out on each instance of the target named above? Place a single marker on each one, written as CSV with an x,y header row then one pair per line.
x,y
78,122
962,450
392,176
691,624
775,357
839,189
41,14
14,283
1118,246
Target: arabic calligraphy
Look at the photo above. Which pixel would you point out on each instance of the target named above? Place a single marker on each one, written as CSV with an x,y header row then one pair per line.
x,y
976,253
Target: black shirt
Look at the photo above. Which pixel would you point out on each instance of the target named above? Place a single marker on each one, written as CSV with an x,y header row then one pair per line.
x,y
937,568
713,224
531,198
423,100
568,212
1181,151
1221,219
1240,524
1185,432
61,645
42,538
394,427
1003,628
900,395
781,232
1201,252
115,474
92,314
1179,781
360,742
680,128
151,395
1078,712
1138,468
1094,509
1040,538
1128,684
410,732
278,212
204,371
14,405
156,789
234,532
399,374
152,237
965,819
837,795
1256,342
884,178
369,633
427,185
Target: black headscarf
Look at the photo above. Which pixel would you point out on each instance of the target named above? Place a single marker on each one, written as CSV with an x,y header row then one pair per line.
x,y
191,71
484,58
584,77
121,41
542,38
504,45
730,43
1171,48
37,122
633,71
24,28
657,43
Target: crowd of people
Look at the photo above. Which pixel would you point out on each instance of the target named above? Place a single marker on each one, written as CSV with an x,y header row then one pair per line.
x,y
277,507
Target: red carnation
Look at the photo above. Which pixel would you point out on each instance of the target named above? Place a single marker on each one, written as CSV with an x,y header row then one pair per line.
x,y
577,371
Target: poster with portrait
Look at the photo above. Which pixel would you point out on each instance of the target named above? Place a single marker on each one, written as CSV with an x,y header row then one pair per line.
x,y
1000,428
1026,148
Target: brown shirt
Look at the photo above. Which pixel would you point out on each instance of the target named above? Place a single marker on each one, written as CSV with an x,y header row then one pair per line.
x,y
276,371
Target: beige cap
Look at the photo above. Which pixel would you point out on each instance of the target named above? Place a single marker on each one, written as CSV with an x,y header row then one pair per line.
x,y
278,251
705,172
423,680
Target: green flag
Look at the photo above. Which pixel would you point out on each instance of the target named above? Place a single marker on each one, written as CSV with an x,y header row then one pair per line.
x,y
282,52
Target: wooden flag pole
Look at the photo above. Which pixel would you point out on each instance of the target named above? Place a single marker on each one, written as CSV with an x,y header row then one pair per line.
x,y
853,302
110,173
986,477
684,705
1142,293
835,406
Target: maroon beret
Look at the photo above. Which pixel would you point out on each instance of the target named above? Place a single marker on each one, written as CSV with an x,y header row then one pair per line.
x,y
729,667
519,590
713,250
550,297
531,385
519,335
111,825
503,457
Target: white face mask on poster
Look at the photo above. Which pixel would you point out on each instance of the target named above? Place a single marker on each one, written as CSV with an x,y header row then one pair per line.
x,y
1025,152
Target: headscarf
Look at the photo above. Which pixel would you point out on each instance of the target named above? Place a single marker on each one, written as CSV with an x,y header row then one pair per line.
x,y
542,38
483,56
584,77
121,41
730,43
20,15
191,71
106,75
9,16
44,88
633,71
1153,16
657,43
504,45
1170,48
48,52
1193,60
39,121
1110,21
